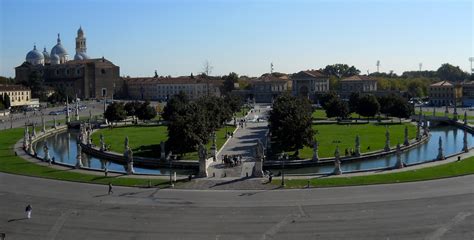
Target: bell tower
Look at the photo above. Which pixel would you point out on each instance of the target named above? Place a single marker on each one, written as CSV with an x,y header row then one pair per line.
x,y
80,41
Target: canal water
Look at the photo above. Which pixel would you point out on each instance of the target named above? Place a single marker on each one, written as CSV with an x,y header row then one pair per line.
x,y
63,148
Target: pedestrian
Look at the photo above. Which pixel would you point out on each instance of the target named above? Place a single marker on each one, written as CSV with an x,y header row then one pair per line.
x,y
110,189
270,178
28,210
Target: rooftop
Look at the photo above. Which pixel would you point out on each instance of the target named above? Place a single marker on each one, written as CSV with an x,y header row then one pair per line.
x,y
13,88
358,78
442,84
169,80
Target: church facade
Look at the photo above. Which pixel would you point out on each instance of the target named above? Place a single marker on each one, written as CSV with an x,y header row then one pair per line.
x,y
87,77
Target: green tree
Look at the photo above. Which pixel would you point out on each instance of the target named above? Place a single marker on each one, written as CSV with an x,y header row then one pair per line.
x,y
234,102
6,101
337,108
229,81
290,123
187,129
115,112
396,106
146,112
354,99
451,73
368,106
340,70
176,105
132,108
327,97
216,110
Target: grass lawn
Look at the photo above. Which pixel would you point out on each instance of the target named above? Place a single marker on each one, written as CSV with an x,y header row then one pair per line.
x,y
372,135
242,113
145,141
10,163
321,114
463,167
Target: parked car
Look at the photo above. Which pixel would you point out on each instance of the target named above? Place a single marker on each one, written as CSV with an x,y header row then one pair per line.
x,y
55,113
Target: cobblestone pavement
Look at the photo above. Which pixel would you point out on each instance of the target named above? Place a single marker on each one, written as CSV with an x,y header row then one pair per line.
x,y
242,143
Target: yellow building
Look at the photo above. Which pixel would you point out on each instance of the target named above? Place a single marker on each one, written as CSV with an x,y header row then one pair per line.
x,y
19,95
444,93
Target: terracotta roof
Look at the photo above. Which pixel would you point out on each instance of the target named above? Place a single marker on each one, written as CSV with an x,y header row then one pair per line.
x,y
441,84
315,73
168,80
13,88
358,78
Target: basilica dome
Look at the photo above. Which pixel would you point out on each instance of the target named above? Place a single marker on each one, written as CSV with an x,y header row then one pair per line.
x,y
35,57
59,50
81,56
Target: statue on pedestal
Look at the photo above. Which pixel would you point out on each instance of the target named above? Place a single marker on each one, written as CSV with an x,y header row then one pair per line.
x,y
214,146
337,162
315,150
259,156
129,159
357,146
26,135
400,163
465,118
126,143
31,150
46,158
406,142
202,152
102,143
418,131
446,111
43,128
387,140
79,154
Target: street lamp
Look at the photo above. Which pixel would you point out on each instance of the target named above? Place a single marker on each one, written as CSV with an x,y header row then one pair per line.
x,y
170,159
283,158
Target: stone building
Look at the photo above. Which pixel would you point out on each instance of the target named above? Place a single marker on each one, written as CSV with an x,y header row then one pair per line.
x,y
309,83
163,88
265,88
19,95
357,83
444,93
86,77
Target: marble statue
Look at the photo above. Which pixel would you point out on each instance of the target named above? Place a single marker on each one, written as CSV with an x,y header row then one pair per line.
x,y
400,163
465,147
162,151
387,140
315,150
357,146
202,152
406,142
440,149
337,162
79,154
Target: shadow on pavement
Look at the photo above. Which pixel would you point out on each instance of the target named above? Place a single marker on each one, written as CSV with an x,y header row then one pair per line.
x,y
16,219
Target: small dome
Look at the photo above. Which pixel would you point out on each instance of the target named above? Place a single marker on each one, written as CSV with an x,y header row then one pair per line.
x,y
34,56
59,49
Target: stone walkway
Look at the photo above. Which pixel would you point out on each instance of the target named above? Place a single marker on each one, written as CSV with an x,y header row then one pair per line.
x,y
242,143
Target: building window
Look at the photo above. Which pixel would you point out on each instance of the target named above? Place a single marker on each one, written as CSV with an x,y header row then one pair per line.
x,y
102,71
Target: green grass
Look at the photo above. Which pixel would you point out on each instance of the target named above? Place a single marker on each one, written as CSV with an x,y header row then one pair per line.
x,y
145,141
10,163
242,113
372,135
321,114
463,167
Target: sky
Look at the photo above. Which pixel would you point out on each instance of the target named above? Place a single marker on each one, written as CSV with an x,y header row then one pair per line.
x,y
176,37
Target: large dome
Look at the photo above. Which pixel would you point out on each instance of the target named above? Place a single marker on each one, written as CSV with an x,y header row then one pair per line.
x,y
59,50
35,57
46,54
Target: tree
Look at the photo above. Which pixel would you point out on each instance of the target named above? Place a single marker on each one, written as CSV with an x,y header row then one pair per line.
x,y
395,106
229,81
327,97
187,129
451,73
6,101
354,99
115,112
146,112
291,123
340,70
234,102
216,110
368,106
337,108
132,108
176,105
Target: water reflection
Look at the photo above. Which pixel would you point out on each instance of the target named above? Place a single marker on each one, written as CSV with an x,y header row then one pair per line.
x,y
63,147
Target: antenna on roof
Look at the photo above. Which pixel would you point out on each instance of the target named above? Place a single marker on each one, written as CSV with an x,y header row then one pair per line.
x,y
271,68
471,59
368,72
420,65
378,65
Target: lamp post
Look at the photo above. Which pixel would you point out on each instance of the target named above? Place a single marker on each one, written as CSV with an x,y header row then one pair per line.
x,y
283,157
170,159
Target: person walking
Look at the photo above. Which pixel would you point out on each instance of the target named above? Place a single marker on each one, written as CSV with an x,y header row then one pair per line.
x,y
110,189
28,210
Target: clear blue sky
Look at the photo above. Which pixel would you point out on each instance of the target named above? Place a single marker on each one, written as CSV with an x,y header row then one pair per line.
x,y
176,36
